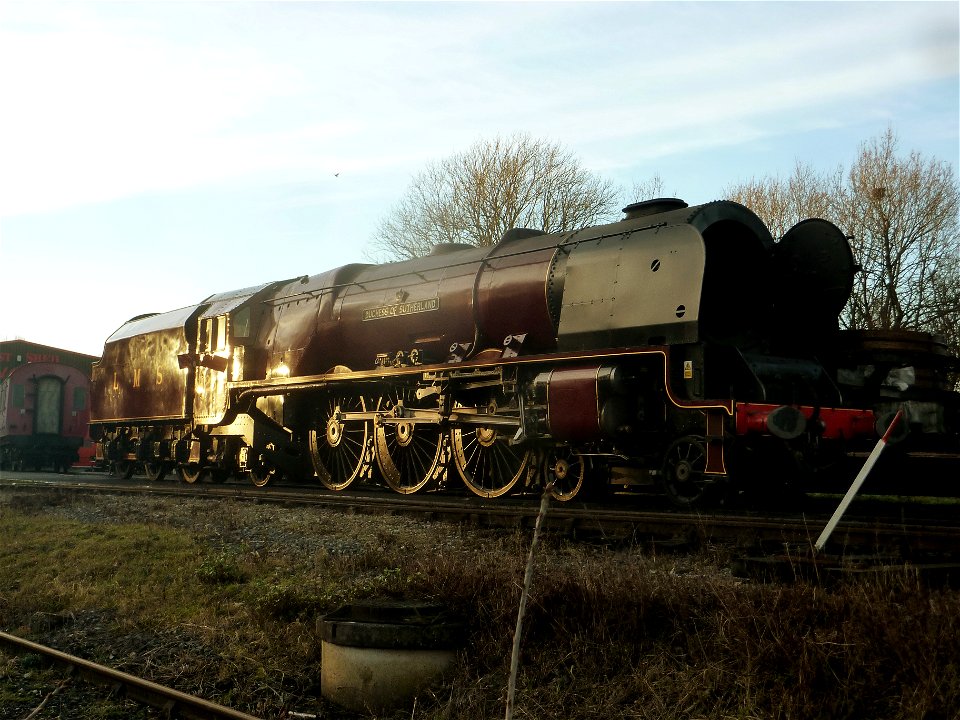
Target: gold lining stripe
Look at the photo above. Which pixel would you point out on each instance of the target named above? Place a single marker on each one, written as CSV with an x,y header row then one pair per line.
x,y
282,384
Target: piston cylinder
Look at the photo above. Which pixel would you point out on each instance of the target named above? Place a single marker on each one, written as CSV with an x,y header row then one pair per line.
x,y
582,403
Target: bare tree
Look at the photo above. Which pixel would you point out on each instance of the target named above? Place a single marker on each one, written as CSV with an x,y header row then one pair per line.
x,y
901,213
648,189
782,203
476,196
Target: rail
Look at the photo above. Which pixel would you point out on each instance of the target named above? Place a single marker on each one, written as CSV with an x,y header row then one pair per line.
x,y
172,702
930,530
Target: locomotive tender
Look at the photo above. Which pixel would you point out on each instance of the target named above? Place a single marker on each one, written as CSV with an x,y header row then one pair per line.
x,y
679,345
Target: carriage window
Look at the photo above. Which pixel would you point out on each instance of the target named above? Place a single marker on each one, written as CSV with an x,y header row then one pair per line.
x,y
79,398
16,396
221,337
241,323
213,334
208,335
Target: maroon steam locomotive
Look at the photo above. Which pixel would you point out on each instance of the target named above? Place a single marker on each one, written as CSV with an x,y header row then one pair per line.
x,y
678,345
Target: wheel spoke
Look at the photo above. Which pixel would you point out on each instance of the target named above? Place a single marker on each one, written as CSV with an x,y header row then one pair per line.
x,y
219,475
263,472
156,470
683,473
340,450
190,473
487,463
411,456
565,469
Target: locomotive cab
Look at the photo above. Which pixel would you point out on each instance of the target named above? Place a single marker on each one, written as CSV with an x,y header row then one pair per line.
x,y
767,310
226,349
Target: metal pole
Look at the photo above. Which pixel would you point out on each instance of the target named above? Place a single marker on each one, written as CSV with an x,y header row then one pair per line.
x,y
527,581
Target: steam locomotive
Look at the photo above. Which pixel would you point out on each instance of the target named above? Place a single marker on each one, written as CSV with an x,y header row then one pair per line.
x,y
678,346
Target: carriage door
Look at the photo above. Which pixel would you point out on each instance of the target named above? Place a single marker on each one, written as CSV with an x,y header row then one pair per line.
x,y
49,403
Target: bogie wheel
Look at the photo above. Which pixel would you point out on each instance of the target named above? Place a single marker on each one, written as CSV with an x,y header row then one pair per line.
x,y
683,471
339,449
486,461
156,470
219,475
263,472
190,473
410,455
124,468
565,469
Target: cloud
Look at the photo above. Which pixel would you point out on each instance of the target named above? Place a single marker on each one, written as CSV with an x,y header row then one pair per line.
x,y
118,100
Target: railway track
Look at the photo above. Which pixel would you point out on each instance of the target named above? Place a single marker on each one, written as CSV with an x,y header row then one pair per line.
x,y
173,703
912,532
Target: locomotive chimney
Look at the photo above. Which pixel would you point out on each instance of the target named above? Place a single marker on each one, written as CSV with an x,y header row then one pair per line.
x,y
652,207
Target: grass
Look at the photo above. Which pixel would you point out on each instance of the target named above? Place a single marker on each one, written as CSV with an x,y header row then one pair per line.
x,y
226,600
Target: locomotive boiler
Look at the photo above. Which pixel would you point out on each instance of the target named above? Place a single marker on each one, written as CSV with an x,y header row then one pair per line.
x,y
679,345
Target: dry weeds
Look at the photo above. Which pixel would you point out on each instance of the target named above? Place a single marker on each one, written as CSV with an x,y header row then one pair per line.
x,y
225,600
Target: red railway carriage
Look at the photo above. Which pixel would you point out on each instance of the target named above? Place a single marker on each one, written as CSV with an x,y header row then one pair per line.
x,y
679,345
44,414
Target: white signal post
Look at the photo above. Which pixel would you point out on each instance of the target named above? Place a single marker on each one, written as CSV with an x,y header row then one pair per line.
x,y
858,481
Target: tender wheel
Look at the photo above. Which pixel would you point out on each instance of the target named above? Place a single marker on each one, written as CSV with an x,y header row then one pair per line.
x,y
340,450
410,455
486,461
219,475
566,469
156,470
682,473
263,472
190,473
124,468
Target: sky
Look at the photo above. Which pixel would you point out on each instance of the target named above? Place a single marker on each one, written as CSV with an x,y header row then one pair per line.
x,y
154,153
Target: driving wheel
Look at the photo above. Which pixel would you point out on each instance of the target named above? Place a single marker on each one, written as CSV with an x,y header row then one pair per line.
x,y
410,455
487,463
340,449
